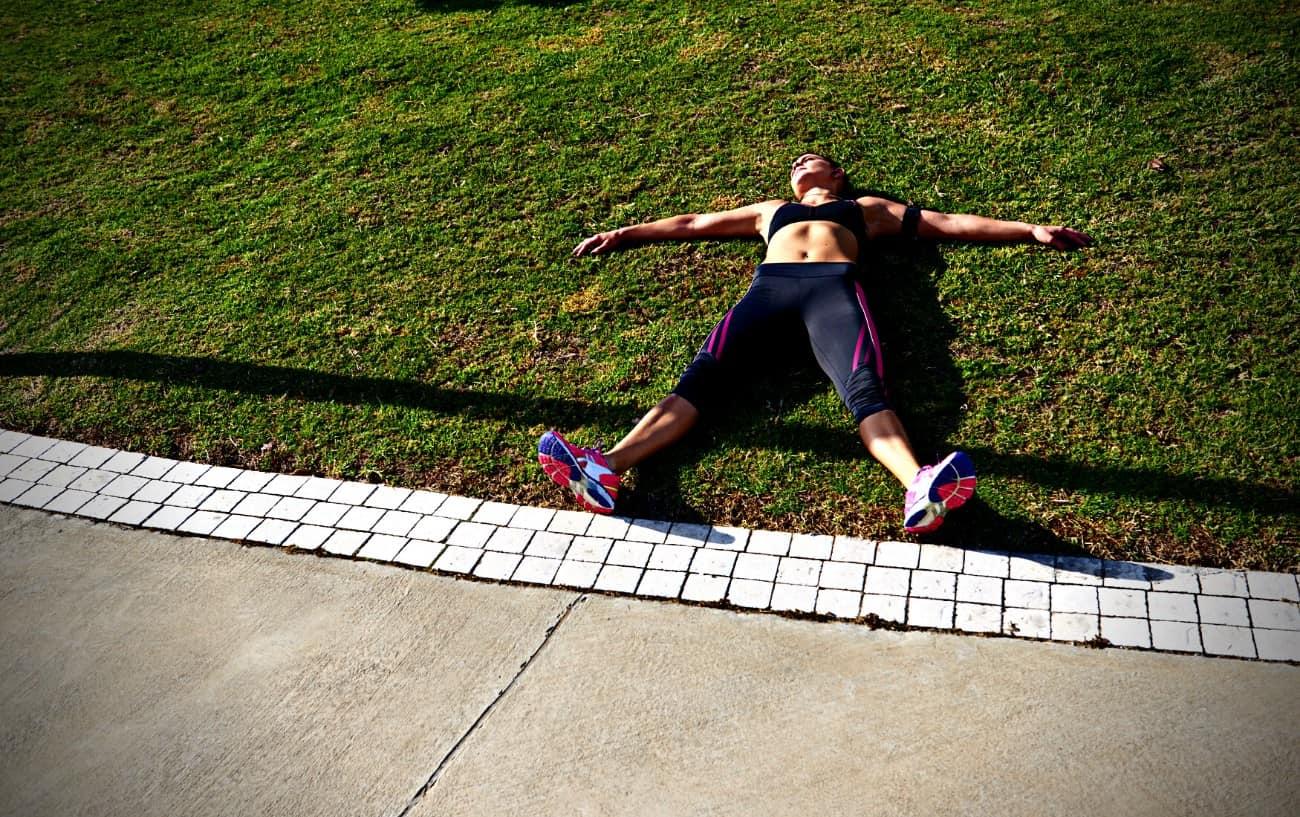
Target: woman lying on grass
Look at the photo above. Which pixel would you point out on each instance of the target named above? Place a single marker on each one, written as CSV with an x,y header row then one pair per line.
x,y
808,276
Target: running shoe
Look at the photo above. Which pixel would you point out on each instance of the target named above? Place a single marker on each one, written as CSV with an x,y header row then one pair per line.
x,y
583,471
937,489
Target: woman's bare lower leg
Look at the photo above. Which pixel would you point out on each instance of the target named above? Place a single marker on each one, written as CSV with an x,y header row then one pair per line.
x,y
884,437
662,426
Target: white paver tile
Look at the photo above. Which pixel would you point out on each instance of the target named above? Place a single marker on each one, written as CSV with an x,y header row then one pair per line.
x,y
101,507
63,451
671,557
218,476
38,496
532,518
843,575
10,439
10,489
799,571
853,549
978,590
470,535
1218,639
124,486
34,446
251,481
898,554
459,507
630,554
1117,601
757,566
91,457
168,517
156,490
795,597
510,540
978,618
577,574
357,517
811,546
433,528
285,484
887,581
9,462
189,496
203,522
589,549
1278,645
326,514
1271,615
618,578
713,562
750,593
418,553
382,547
221,501
1171,606
1078,570
608,527
390,498
700,587
272,531
62,475
654,531
929,613
349,493
1032,568
945,559
1126,632
536,570
185,472
1075,626
838,603
345,542
687,533
1223,583
494,513
33,470
1280,586
1173,579
987,563
1179,636
1126,576
1026,623
396,523
69,501
134,512
549,545
769,542
496,565
122,462
423,502
1074,598
290,507
256,504
317,488
722,537
1223,610
885,608
931,584
575,522
236,527
665,584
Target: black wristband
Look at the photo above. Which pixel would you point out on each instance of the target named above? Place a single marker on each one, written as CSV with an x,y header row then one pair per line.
x,y
911,218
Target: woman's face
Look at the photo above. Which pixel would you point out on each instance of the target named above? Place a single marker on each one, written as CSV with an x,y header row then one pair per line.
x,y
811,170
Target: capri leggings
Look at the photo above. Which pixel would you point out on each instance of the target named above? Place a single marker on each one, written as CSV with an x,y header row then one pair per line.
x,y
832,307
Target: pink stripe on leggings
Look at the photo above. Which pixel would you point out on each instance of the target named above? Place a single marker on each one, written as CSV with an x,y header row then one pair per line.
x,y
722,341
870,327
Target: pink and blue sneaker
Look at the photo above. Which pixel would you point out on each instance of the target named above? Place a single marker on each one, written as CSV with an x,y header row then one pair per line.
x,y
583,471
937,489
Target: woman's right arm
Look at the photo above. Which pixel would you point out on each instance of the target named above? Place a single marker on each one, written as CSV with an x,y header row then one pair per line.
x,y
743,222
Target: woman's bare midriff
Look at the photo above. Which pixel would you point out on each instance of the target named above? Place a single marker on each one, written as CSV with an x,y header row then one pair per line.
x,y
812,242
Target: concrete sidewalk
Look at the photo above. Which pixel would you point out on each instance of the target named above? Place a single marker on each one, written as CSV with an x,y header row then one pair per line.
x,y
145,673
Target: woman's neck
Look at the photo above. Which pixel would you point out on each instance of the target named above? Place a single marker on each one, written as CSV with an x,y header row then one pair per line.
x,y
817,196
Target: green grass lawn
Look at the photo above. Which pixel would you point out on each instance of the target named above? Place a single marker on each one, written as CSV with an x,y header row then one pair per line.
x,y
334,238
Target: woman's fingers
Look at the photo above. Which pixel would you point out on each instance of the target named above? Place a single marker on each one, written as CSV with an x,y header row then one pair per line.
x,y
594,245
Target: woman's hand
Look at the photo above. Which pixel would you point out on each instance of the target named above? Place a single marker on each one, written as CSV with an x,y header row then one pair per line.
x,y
599,243
1061,238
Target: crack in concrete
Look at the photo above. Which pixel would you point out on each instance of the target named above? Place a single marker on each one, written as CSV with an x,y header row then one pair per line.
x,y
442,764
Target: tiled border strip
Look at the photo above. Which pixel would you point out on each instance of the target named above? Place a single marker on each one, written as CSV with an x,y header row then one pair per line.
x,y
1246,614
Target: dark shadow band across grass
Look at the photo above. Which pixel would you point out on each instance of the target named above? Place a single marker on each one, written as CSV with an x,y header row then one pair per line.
x,y
304,384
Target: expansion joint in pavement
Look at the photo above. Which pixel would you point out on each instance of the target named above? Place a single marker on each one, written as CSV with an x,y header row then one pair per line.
x,y
446,759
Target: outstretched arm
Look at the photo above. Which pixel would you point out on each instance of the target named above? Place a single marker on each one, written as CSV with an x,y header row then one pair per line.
x,y
743,222
885,217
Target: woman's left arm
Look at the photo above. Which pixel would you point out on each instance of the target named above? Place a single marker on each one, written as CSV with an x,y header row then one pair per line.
x,y
886,217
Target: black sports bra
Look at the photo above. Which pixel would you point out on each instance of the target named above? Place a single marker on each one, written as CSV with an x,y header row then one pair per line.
x,y
844,212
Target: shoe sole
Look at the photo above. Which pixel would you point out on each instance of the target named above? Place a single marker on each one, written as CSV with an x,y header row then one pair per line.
x,y
954,485
562,467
